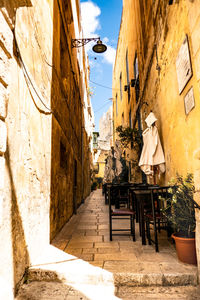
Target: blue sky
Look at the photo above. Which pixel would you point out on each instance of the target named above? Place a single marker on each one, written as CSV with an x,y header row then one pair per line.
x,y
101,18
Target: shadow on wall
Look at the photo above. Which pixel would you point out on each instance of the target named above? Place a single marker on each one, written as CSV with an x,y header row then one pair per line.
x,y
66,135
15,3
11,7
19,247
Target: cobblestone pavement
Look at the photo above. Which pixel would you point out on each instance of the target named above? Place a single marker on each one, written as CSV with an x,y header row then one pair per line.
x,y
82,263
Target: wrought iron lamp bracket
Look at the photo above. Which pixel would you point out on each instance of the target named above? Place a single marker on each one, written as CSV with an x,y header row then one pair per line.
x,y
77,43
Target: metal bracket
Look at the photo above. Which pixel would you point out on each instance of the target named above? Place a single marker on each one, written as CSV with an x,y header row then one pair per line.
x,y
77,43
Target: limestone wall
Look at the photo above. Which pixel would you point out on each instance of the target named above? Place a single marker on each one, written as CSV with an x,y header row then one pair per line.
x,y
124,100
25,137
42,166
179,130
161,31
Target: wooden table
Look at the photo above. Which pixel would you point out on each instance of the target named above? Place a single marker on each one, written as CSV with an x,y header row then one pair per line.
x,y
144,196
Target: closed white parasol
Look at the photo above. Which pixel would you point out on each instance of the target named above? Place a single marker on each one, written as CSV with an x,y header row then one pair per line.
x,y
152,153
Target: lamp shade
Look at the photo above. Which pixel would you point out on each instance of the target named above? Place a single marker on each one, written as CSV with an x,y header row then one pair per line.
x,y
99,47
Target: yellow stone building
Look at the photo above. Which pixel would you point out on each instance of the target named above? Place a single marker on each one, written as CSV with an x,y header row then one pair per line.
x,y
45,154
125,96
159,47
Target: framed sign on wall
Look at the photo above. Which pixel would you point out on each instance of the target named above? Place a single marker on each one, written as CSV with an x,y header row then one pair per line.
x,y
183,65
189,101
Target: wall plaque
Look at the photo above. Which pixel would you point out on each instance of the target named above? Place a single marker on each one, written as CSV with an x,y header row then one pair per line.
x,y
189,101
183,65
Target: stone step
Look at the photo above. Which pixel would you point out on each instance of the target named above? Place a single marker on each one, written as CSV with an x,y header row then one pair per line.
x,y
59,291
159,293
117,279
56,265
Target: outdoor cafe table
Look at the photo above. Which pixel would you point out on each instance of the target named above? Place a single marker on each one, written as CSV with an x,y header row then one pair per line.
x,y
144,194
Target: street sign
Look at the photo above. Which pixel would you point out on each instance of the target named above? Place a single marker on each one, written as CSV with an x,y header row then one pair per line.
x,y
189,101
183,65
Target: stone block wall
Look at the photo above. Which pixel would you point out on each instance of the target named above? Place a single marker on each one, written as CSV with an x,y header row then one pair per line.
x,y
6,273
41,141
66,103
157,31
167,27
25,143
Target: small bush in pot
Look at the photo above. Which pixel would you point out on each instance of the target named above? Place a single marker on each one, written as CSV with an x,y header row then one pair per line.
x,y
181,214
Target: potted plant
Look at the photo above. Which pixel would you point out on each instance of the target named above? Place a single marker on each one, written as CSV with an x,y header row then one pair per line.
x,y
181,214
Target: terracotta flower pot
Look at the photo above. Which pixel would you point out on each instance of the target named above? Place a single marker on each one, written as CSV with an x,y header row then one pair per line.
x,y
185,248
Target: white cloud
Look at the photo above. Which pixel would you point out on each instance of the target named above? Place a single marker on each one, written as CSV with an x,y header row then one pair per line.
x,y
90,23
105,40
109,55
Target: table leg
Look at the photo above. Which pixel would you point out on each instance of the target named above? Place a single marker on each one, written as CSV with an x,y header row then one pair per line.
x,y
142,225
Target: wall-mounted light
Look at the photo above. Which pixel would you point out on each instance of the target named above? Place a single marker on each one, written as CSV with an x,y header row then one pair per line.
x,y
133,82
99,47
170,2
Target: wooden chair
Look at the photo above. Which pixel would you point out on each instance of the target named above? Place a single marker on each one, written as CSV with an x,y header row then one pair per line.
x,y
105,192
123,210
155,217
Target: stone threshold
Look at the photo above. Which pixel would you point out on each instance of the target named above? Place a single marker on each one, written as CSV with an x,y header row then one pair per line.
x,y
56,265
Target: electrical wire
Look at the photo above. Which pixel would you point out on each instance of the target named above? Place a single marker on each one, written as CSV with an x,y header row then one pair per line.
x,y
28,79
101,85
101,107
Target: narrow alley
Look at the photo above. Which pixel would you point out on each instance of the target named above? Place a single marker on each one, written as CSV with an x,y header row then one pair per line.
x,y
99,121
82,263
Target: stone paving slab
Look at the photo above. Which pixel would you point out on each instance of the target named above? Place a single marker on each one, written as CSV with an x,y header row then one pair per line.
x,y
83,255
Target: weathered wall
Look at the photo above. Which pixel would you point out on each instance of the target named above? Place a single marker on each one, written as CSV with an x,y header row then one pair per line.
x,y
67,121
25,153
161,92
166,26
41,137
124,102
106,130
86,168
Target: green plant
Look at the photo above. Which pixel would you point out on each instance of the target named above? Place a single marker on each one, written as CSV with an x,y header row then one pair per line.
x,y
127,135
180,212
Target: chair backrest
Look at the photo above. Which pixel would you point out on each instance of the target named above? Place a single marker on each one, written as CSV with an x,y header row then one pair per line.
x,y
120,195
162,201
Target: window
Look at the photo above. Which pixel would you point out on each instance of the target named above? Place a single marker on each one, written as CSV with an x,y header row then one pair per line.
x,y
135,66
116,105
127,76
120,82
130,125
130,119
136,75
63,157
